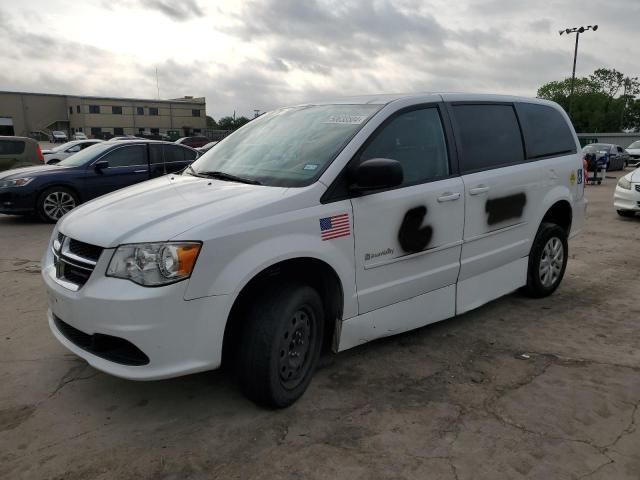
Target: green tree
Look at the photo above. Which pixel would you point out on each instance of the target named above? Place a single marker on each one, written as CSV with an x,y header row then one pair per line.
x,y
594,105
211,123
226,123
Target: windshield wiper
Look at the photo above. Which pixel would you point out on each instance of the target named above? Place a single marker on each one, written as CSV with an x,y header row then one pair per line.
x,y
227,176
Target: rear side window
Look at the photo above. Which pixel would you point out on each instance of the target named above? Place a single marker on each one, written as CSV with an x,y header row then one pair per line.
x,y
545,131
489,136
10,147
169,153
127,156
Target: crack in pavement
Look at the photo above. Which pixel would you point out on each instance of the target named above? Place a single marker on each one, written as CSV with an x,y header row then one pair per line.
x,y
68,377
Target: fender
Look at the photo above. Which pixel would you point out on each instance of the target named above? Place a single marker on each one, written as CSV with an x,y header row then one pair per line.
x,y
237,272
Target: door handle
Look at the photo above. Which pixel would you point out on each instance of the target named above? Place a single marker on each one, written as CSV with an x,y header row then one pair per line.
x,y
448,197
140,171
478,190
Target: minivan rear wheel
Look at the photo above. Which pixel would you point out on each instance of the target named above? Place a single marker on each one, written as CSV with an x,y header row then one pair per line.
x,y
54,202
547,260
280,344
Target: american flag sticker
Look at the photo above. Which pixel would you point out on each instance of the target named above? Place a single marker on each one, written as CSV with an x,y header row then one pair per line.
x,y
335,227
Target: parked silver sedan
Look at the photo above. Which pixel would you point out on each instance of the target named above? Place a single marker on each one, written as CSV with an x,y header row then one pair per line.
x,y
59,153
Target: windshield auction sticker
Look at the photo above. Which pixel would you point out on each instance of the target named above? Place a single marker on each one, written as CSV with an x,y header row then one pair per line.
x,y
346,119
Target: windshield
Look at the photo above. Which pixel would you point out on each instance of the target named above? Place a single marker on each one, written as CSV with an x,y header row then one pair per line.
x,y
85,156
635,144
289,147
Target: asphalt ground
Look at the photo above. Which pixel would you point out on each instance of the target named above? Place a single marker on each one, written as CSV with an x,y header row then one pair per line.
x,y
520,388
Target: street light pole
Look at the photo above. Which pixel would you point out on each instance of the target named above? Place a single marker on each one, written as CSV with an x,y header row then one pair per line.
x,y
577,31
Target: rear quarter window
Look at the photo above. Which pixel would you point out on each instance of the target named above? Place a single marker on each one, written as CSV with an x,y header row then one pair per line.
x,y
546,132
11,147
488,136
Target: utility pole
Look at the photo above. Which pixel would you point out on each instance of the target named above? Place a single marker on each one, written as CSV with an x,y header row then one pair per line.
x,y
577,31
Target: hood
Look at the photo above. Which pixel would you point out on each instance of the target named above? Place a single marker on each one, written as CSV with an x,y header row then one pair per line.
x,y
35,171
634,176
633,151
160,209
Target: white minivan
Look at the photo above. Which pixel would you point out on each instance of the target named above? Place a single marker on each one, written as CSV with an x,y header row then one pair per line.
x,y
318,227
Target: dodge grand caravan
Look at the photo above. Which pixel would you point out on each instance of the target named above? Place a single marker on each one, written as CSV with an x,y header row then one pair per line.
x,y
318,227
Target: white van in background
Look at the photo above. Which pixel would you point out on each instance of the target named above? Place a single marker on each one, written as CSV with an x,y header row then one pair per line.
x,y
318,227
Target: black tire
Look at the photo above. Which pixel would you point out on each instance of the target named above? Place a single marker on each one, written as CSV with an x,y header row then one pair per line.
x,y
280,344
626,213
543,257
67,201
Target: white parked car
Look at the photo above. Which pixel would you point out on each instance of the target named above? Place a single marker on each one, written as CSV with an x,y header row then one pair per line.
x,y
626,198
80,136
634,152
318,227
59,153
58,136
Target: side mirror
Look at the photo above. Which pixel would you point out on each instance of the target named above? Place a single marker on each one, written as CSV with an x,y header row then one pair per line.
x,y
101,165
377,173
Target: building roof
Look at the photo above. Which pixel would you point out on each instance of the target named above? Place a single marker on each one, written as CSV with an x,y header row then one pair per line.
x,y
186,99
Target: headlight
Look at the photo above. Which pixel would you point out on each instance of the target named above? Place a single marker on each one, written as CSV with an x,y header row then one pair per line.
x,y
624,183
154,264
16,182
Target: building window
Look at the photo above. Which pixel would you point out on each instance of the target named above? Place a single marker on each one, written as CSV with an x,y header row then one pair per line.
x,y
94,108
141,130
116,110
155,131
96,132
79,129
195,113
118,131
153,110
140,110
70,110
77,108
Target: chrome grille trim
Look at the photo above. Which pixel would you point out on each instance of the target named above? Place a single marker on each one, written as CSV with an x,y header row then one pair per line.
x,y
72,271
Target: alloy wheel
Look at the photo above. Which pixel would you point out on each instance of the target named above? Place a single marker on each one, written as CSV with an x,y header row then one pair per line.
x,y
57,203
551,262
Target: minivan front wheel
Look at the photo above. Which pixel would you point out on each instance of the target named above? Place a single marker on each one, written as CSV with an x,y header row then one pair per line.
x,y
280,344
547,260
54,202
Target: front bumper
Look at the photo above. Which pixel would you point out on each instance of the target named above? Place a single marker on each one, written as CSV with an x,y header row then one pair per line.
x,y
176,336
17,200
624,199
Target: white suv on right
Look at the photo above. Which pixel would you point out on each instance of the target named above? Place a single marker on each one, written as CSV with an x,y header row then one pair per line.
x,y
626,198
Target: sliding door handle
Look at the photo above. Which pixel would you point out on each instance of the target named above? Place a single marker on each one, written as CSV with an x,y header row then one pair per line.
x,y
478,190
448,197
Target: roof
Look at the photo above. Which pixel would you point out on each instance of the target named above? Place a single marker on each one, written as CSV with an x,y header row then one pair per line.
x,y
383,99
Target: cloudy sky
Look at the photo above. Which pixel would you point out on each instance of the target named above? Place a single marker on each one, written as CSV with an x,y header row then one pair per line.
x,y
260,54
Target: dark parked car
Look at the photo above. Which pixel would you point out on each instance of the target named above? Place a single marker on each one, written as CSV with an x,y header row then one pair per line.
x,y
193,142
51,191
613,156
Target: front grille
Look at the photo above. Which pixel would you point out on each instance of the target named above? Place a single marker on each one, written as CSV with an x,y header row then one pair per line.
x,y
74,260
85,250
114,349
638,188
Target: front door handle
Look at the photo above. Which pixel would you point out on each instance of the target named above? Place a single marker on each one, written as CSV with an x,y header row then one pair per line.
x,y
140,171
478,190
448,197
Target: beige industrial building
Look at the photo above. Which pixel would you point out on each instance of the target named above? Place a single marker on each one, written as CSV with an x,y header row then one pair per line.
x,y
27,114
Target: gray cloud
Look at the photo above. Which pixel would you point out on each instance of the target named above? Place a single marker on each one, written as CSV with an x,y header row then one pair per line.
x,y
176,10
